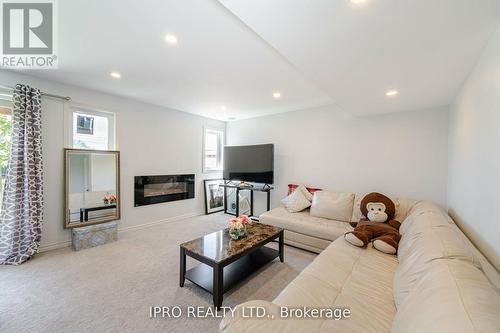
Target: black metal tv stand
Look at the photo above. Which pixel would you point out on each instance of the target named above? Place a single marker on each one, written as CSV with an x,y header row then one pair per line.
x,y
266,188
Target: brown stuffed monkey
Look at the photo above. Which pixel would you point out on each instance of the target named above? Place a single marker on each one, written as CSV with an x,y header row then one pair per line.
x,y
380,228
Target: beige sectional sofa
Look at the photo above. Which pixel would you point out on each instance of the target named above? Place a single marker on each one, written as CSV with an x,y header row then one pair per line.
x,y
316,233
438,282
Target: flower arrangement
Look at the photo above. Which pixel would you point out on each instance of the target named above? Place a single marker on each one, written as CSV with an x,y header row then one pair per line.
x,y
109,199
238,226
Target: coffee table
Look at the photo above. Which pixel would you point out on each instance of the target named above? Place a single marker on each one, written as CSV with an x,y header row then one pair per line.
x,y
225,262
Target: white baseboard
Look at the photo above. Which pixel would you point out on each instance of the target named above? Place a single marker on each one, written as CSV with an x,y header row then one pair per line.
x,y
54,246
59,245
151,224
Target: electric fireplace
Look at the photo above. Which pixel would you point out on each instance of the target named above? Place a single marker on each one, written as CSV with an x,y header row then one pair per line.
x,y
156,189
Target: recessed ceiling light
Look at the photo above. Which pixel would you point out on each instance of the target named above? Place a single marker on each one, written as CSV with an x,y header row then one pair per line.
x,y
171,39
231,118
391,93
357,2
276,95
115,75
223,108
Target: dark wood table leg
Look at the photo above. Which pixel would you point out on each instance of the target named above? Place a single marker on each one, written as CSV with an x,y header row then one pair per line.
x,y
225,199
218,286
182,272
268,200
237,202
282,246
251,203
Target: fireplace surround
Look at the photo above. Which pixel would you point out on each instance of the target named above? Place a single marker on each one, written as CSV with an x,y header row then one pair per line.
x,y
150,190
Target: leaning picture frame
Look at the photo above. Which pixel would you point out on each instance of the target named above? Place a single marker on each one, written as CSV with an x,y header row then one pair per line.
x,y
214,195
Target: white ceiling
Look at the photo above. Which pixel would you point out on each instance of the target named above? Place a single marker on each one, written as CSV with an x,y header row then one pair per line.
x,y
217,61
236,53
423,48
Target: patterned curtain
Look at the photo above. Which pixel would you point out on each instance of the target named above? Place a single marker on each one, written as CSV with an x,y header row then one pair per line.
x,y
22,206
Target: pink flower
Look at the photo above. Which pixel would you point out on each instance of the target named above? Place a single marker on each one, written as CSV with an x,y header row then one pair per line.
x,y
109,197
244,219
235,223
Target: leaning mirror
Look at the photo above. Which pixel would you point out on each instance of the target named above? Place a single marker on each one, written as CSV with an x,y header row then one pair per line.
x,y
92,182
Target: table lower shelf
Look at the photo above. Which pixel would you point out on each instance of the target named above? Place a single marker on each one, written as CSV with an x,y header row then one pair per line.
x,y
202,275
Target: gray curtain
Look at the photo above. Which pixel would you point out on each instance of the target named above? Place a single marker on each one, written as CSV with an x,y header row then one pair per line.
x,y
22,205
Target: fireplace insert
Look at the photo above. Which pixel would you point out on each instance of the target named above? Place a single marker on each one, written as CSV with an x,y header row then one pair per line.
x,y
156,189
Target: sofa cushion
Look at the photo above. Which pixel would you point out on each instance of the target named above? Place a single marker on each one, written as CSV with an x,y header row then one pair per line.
x,y
436,216
242,322
427,235
304,223
422,208
296,202
423,218
306,242
435,243
451,296
332,205
347,276
403,208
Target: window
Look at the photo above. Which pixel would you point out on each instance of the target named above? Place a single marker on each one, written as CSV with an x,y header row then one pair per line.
x,y
5,137
91,129
84,125
213,143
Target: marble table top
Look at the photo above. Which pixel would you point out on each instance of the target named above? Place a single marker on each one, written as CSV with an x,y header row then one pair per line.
x,y
218,246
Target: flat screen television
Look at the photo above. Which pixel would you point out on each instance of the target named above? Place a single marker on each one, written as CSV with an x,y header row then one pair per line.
x,y
249,163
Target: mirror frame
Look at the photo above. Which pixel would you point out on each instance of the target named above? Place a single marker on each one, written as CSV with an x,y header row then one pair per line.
x,y
67,151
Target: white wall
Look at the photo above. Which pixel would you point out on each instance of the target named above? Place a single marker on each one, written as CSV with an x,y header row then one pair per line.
x,y
152,140
474,154
400,154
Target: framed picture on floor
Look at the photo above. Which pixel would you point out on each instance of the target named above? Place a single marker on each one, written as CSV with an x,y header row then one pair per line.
x,y
231,203
214,195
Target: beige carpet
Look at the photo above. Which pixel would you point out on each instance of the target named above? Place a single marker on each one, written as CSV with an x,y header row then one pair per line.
x,y
111,288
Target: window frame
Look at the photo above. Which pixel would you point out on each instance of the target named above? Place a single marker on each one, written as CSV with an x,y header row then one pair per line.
x,y
70,110
221,144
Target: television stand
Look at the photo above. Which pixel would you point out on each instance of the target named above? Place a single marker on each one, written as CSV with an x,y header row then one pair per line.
x,y
240,184
266,188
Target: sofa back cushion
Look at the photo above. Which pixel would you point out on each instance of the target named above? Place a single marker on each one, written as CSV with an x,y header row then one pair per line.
x,y
430,245
333,205
428,234
425,218
403,208
451,296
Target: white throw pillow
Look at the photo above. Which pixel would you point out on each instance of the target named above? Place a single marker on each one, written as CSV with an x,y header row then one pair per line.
x,y
296,202
333,205
305,192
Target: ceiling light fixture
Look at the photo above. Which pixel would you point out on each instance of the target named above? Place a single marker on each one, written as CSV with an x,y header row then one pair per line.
x,y
357,2
115,75
171,39
276,95
223,108
391,93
